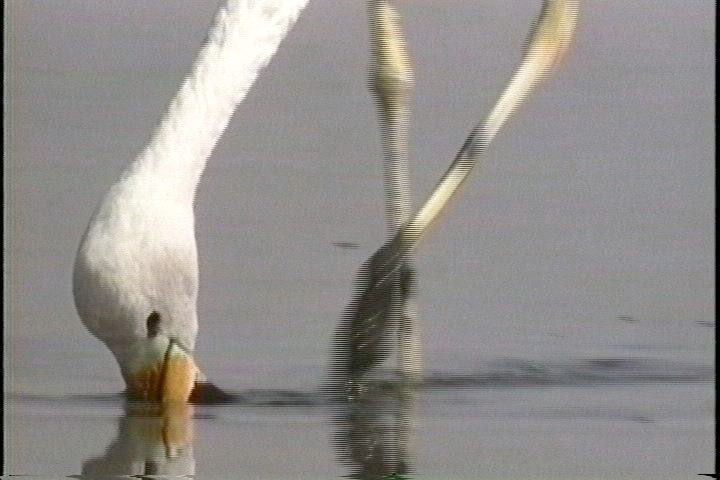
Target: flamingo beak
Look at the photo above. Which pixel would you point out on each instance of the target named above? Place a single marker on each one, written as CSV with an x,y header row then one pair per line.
x,y
165,376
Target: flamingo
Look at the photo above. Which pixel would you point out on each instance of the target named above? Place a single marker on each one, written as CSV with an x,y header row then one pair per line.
x,y
135,277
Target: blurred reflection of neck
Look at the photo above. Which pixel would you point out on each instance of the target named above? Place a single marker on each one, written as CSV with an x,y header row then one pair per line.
x,y
152,439
373,429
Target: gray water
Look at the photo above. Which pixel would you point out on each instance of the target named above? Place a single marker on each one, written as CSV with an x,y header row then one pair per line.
x,y
566,297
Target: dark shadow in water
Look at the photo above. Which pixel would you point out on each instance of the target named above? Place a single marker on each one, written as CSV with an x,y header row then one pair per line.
x,y
591,372
504,374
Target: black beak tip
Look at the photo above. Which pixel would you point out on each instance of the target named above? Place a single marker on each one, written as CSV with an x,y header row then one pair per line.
x,y
206,393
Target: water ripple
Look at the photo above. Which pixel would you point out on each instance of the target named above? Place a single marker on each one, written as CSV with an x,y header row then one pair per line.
x,y
511,373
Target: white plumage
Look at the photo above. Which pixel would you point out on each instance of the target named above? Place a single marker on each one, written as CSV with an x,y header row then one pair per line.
x,y
138,254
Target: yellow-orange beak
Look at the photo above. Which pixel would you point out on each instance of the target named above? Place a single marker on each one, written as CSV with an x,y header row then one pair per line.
x,y
165,377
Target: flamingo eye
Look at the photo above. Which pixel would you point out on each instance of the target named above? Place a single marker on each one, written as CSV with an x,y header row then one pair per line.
x,y
153,324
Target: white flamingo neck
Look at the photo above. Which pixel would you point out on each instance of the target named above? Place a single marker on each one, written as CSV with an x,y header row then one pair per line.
x,y
244,37
138,254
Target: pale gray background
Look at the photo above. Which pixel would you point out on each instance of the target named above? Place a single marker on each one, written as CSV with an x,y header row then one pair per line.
x,y
596,201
